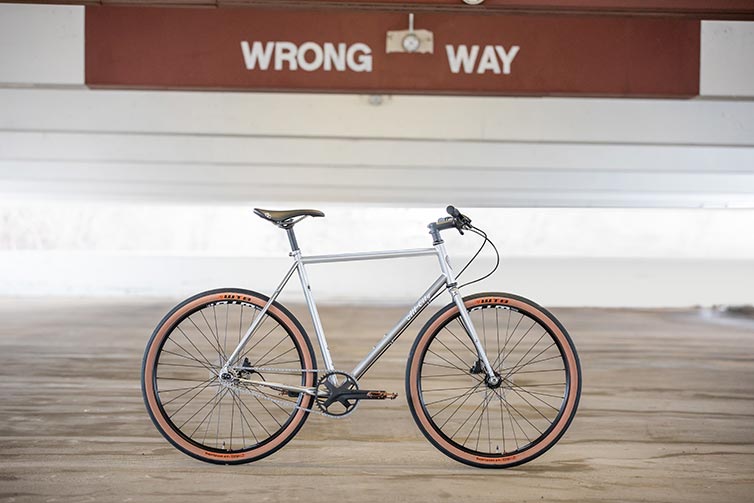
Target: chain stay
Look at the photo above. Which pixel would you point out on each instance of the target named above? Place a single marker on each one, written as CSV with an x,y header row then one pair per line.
x,y
283,403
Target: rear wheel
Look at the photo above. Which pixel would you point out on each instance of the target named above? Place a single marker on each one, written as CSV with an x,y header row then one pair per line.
x,y
182,386
501,425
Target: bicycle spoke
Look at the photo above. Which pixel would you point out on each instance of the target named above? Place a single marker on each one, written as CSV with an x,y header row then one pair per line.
x,y
162,364
462,371
214,347
209,420
443,389
240,403
188,390
522,416
502,426
479,421
269,362
227,312
537,371
444,375
260,341
214,335
532,347
256,364
532,362
217,331
253,415
467,419
489,433
514,387
453,353
240,325
512,372
194,346
221,396
194,414
448,361
472,351
185,357
188,401
458,408
427,404
484,330
519,341
240,421
497,331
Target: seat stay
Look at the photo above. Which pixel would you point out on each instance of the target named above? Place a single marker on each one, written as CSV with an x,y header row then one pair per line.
x,y
258,319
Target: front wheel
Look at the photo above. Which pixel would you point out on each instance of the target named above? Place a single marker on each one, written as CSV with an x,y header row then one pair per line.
x,y
513,421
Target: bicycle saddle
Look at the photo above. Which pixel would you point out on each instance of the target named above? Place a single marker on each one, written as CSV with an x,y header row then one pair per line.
x,y
283,217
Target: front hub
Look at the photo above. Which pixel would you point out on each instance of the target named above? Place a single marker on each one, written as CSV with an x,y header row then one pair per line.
x,y
494,382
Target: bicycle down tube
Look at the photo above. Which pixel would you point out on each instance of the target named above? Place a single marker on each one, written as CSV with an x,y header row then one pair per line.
x,y
446,279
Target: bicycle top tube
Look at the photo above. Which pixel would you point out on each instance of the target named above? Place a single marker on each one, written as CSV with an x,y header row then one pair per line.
x,y
374,255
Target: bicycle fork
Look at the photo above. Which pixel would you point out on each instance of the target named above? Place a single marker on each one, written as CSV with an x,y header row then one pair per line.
x,y
442,255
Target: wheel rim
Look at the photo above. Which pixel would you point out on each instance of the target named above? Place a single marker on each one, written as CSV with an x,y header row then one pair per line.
x,y
494,422
186,386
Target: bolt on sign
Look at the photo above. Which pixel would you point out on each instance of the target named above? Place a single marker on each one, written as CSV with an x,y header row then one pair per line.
x,y
335,50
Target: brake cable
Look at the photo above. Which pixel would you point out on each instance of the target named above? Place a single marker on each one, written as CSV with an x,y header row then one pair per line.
x,y
480,232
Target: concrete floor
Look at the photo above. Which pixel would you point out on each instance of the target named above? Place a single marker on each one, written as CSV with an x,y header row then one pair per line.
x,y
667,414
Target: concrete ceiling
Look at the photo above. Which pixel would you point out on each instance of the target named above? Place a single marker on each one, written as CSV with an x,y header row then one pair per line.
x,y
61,140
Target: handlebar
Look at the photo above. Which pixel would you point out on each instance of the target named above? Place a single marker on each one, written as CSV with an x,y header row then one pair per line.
x,y
456,220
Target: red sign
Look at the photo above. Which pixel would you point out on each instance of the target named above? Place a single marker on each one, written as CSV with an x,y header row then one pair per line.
x,y
352,51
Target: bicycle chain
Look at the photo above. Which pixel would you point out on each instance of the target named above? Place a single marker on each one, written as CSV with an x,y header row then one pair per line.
x,y
285,403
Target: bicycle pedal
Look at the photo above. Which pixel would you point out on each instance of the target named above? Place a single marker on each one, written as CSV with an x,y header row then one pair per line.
x,y
380,395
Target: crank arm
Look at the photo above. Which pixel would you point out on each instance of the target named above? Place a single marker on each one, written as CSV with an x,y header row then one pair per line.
x,y
366,395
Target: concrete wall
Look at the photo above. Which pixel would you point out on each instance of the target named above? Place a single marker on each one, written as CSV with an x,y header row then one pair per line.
x,y
602,257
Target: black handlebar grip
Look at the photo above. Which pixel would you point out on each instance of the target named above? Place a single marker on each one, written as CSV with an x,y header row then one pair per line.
x,y
453,212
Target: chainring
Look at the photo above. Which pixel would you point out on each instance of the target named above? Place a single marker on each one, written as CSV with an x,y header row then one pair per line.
x,y
329,388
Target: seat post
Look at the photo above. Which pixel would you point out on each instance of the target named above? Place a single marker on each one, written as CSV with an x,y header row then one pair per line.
x,y
292,238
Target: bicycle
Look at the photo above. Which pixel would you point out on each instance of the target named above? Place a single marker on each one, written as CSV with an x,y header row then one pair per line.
x,y
230,376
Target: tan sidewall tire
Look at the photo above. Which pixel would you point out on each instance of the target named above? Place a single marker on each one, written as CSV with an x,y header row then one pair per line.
x,y
285,318
574,383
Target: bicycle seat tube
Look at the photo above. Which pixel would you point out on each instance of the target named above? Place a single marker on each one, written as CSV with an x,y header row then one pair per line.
x,y
306,287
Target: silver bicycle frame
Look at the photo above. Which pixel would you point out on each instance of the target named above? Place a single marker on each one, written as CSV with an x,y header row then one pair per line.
x,y
447,279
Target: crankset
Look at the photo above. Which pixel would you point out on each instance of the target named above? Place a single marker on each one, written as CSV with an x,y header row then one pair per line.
x,y
338,394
